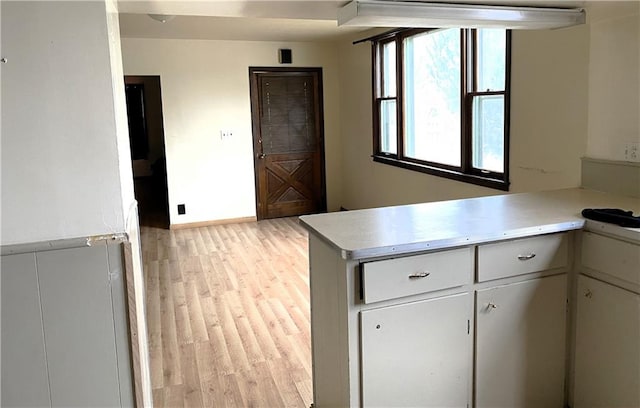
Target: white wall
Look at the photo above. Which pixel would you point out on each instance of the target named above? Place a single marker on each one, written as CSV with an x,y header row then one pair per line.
x,y
205,89
63,163
548,124
614,78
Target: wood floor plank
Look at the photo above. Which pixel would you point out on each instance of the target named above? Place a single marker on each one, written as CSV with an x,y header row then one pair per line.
x,y
173,396
170,354
196,316
283,316
158,396
192,389
153,304
232,338
269,351
283,343
201,248
222,391
157,369
258,387
228,315
306,392
183,321
248,339
285,384
175,270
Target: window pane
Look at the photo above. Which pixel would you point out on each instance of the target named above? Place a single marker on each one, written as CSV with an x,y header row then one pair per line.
x,y
492,44
432,102
488,133
389,69
388,127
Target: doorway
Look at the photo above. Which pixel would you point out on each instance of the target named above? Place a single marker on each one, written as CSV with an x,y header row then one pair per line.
x,y
146,138
288,141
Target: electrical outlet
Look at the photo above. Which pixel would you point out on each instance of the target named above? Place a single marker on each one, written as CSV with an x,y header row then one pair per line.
x,y
632,152
181,209
225,134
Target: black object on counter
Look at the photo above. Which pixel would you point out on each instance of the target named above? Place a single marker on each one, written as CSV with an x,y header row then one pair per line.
x,y
612,215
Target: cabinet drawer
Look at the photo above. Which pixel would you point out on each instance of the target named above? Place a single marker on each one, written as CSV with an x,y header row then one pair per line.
x,y
394,278
611,256
521,256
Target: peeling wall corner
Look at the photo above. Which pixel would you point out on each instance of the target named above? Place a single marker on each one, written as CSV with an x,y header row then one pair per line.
x,y
107,239
132,222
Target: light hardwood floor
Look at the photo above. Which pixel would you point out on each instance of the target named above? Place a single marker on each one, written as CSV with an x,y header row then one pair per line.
x,y
228,315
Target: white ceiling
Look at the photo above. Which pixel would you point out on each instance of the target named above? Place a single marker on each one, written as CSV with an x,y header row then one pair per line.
x,y
261,20
289,20
232,28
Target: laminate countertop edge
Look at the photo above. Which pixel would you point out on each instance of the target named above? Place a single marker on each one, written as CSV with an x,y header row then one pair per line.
x,y
397,230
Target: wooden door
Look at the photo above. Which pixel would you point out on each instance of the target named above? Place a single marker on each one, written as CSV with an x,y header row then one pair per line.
x,y
417,354
286,108
520,344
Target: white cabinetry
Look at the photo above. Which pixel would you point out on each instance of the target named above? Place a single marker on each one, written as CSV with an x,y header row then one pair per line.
x,y
522,256
607,349
399,332
520,344
416,354
607,368
520,353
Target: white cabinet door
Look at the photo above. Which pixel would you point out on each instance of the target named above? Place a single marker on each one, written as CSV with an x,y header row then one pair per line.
x,y
417,354
607,359
520,344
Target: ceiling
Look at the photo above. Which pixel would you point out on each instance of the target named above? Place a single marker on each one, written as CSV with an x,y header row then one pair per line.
x,y
257,20
289,20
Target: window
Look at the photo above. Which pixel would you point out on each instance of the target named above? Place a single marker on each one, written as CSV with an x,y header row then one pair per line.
x,y
442,103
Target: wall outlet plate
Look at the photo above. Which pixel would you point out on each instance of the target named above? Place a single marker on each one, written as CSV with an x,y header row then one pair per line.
x,y
181,209
632,152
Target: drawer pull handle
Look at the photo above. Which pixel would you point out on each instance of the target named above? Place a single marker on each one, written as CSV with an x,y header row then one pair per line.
x,y
526,257
419,275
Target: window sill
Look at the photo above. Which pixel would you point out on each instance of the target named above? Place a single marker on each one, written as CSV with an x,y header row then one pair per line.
x,y
450,174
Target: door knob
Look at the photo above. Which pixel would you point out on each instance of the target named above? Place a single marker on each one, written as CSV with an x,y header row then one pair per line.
x,y
262,156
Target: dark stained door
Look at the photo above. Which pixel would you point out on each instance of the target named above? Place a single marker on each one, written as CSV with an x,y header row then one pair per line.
x,y
288,144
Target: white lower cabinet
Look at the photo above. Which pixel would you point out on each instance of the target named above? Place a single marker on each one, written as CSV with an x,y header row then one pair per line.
x,y
520,344
607,351
417,354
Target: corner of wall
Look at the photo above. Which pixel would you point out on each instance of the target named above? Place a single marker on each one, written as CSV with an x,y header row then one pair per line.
x,y
611,176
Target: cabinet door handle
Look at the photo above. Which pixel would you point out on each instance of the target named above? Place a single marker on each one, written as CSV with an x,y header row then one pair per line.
x,y
526,257
491,306
419,275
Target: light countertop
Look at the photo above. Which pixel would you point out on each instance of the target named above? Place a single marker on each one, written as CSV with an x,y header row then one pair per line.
x,y
385,231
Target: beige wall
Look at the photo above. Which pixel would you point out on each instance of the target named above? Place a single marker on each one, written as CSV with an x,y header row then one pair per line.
x,y
205,89
565,86
548,124
614,79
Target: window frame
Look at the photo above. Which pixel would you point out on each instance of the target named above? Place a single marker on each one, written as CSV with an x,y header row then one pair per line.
x,y
465,172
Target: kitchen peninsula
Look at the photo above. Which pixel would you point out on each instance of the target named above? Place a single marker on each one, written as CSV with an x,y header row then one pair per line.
x,y
479,302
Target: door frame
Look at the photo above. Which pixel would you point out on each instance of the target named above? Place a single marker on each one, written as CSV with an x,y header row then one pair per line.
x,y
254,93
